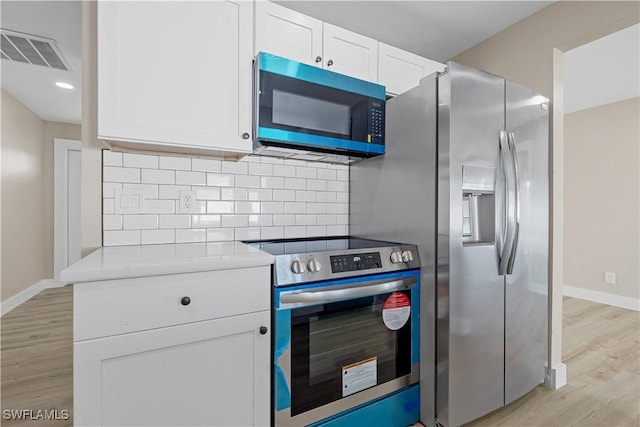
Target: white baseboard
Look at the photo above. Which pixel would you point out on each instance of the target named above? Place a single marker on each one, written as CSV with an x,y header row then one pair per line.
x,y
556,377
602,297
28,293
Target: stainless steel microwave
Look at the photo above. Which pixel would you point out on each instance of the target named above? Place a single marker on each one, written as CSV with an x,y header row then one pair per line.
x,y
305,112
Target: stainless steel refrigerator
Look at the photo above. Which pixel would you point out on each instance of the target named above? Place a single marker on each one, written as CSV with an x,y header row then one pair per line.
x,y
466,178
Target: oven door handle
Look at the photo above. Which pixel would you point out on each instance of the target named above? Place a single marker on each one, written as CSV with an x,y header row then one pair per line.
x,y
306,297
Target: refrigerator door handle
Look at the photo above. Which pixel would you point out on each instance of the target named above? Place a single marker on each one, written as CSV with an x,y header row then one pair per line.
x,y
516,175
505,240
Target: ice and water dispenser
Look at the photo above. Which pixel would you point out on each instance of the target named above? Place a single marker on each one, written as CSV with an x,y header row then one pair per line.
x,y
478,205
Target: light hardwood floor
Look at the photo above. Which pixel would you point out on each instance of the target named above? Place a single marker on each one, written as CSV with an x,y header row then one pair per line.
x,y
601,347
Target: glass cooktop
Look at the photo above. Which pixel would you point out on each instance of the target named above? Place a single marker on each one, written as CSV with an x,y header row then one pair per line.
x,y
319,244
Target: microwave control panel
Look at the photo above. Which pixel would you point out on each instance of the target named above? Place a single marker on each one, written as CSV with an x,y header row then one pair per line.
x,y
376,129
355,262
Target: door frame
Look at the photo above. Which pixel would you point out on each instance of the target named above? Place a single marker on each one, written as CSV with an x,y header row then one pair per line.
x,y
61,149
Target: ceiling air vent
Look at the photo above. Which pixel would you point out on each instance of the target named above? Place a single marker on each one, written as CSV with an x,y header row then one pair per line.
x,y
20,47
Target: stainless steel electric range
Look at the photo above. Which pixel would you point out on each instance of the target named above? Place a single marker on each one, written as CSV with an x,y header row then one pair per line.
x,y
346,331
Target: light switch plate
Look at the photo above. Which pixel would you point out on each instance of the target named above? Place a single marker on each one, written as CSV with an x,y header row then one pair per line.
x,y
128,201
609,278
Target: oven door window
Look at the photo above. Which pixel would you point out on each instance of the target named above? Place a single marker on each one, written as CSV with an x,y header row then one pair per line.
x,y
328,338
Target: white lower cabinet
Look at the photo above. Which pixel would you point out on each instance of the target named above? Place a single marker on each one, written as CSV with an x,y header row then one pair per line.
x,y
187,349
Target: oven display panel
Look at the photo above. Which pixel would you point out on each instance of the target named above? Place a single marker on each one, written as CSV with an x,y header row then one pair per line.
x,y
354,262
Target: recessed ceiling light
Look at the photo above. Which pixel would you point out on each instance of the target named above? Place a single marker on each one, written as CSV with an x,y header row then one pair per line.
x,y
64,85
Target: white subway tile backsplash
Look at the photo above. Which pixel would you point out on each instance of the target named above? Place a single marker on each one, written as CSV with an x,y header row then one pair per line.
x,y
220,234
112,222
150,191
284,220
207,193
284,195
140,161
191,235
172,191
206,165
110,158
235,220
233,194
272,233
236,168
221,207
191,178
154,237
284,170
306,172
262,169
220,180
205,221
140,222
117,174
295,184
255,198
327,174
248,207
263,220
252,233
174,221
272,182
175,163
295,207
155,176
159,206
120,238
247,181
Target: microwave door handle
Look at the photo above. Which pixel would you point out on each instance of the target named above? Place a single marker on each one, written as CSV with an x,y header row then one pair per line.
x,y
323,296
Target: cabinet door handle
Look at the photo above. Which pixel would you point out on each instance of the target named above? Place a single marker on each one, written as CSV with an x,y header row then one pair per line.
x,y
330,63
318,58
263,330
185,301
245,135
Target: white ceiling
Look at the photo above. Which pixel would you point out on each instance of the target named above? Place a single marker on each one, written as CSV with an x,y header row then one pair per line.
x,y
33,85
604,71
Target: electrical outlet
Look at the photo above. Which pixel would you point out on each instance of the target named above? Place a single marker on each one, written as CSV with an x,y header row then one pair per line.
x,y
609,278
187,201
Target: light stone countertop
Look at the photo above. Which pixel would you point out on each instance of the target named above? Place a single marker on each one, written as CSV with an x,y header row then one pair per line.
x,y
123,262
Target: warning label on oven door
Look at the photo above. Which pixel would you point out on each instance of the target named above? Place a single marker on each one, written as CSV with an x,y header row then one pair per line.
x,y
396,311
359,376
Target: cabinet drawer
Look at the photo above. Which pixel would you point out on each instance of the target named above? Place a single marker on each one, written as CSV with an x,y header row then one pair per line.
x,y
121,306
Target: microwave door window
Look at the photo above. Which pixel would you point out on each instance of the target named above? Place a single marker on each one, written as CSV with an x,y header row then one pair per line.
x,y
300,111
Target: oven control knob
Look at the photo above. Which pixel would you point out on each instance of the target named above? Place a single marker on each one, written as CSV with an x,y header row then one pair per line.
x,y
407,256
396,257
314,266
297,267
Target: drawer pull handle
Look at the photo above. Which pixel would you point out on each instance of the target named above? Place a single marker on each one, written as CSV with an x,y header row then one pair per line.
x,y
263,330
185,301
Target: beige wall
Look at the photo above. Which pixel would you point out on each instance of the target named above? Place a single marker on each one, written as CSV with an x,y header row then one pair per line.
x,y
601,198
27,195
530,52
23,252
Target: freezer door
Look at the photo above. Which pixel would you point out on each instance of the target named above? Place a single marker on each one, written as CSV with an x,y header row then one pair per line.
x,y
526,291
470,331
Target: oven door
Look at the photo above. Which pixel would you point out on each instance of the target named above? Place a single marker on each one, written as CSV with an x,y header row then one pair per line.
x,y
343,343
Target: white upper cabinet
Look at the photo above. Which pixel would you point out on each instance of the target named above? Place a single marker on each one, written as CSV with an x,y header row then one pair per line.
x,y
295,36
176,76
400,70
287,33
350,53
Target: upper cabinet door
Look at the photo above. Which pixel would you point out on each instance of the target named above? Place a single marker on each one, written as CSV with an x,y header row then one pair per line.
x,y
287,33
350,53
176,76
400,70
